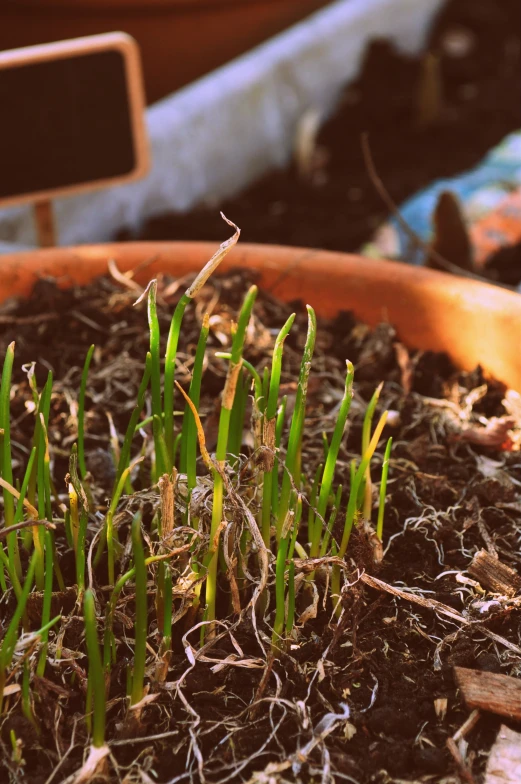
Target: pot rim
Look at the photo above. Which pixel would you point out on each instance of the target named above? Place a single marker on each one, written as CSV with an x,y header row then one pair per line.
x,y
474,322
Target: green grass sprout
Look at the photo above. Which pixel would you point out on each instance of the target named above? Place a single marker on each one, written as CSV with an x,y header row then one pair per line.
x,y
155,376
140,626
359,475
366,437
6,469
175,329
292,464
46,607
188,463
96,676
186,539
124,456
81,413
269,430
11,636
332,456
383,489
228,397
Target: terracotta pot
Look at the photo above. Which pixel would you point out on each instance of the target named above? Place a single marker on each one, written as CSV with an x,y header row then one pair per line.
x,y
473,322
180,40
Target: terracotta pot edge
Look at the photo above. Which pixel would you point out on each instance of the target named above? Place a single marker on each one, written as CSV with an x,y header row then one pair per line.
x,y
476,323
411,275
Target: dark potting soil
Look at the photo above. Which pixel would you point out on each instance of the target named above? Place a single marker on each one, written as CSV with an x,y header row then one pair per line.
x,y
481,105
388,659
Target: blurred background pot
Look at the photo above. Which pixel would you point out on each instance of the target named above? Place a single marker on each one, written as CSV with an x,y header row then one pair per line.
x,y
214,137
180,40
474,323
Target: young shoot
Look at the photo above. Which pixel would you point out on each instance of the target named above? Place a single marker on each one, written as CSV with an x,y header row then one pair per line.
x,y
292,465
228,397
359,475
140,626
81,413
366,437
383,489
175,329
96,676
330,464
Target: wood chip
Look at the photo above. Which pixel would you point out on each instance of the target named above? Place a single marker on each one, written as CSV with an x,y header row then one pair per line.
x,y
504,762
494,575
406,366
489,691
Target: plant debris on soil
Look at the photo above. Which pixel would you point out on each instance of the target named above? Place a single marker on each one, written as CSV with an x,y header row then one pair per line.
x,y
477,43
369,696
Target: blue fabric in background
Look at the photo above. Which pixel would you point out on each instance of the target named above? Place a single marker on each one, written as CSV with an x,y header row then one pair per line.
x,y
480,190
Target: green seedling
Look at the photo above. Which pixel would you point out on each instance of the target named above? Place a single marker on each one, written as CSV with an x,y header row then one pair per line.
x,y
330,464
124,456
81,413
353,496
6,469
96,677
246,510
175,329
366,438
269,485
189,432
283,619
383,490
228,397
293,457
155,377
11,636
140,626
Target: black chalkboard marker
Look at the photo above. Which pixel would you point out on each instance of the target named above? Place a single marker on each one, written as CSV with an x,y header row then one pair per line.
x,y
71,120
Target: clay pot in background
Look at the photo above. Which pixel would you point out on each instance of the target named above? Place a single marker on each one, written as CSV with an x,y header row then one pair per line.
x,y
180,40
473,322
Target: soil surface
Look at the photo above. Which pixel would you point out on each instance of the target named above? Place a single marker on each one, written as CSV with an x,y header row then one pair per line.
x,y
454,489
339,209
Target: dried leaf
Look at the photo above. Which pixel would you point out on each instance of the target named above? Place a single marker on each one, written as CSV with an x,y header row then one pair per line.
x,y
494,435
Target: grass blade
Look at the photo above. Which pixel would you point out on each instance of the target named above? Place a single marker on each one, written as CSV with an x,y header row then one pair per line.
x,y
175,328
292,465
383,489
332,456
81,413
96,677
366,437
188,461
11,635
6,457
124,457
228,397
359,475
46,609
155,375
140,635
